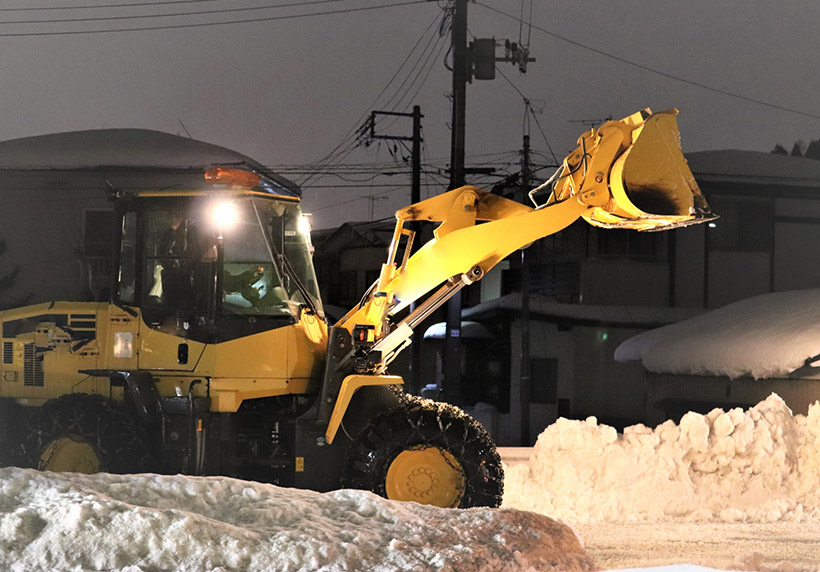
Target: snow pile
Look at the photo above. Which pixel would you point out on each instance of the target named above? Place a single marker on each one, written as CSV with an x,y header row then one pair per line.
x,y
760,465
765,336
134,523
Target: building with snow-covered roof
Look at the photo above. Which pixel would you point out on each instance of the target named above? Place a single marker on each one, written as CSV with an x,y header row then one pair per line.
x,y
733,356
765,239
56,221
759,265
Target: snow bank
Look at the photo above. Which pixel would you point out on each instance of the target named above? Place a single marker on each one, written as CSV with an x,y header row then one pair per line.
x,y
765,336
760,465
134,523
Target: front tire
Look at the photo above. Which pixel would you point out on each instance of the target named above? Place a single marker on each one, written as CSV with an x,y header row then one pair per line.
x,y
427,452
85,434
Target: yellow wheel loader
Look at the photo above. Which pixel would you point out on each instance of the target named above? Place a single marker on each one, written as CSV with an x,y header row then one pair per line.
x,y
213,356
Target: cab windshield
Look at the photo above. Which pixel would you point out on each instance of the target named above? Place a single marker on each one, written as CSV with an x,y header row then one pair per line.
x,y
205,260
267,259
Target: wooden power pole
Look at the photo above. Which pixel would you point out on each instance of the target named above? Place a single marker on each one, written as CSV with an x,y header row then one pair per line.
x,y
451,387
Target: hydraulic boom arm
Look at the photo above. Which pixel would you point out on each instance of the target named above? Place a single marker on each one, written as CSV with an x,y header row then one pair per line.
x,y
626,174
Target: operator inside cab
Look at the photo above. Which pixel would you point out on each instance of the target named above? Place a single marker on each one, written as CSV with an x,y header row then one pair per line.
x,y
211,270
183,261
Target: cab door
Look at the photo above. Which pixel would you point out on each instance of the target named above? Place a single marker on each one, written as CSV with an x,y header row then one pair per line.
x,y
164,288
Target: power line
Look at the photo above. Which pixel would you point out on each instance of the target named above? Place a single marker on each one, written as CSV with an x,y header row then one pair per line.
x,y
335,153
170,14
653,70
418,77
210,24
529,110
412,74
349,141
95,6
391,189
544,135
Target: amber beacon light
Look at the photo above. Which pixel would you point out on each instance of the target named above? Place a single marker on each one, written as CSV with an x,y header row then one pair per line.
x,y
232,177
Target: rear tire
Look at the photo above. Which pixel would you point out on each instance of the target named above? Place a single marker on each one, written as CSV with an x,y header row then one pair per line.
x,y
427,452
86,434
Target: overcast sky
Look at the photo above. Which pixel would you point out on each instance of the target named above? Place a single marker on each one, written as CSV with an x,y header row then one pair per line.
x,y
286,91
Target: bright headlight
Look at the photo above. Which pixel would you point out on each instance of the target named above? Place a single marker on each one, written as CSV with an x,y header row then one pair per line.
x,y
304,225
223,214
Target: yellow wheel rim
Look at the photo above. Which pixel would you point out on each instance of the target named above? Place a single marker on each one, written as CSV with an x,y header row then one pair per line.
x,y
426,475
65,455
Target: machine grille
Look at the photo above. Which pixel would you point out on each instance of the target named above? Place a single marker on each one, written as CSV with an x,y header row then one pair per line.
x,y
32,367
8,352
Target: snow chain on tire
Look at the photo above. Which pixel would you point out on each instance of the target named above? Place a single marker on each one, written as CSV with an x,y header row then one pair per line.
x,y
116,438
422,422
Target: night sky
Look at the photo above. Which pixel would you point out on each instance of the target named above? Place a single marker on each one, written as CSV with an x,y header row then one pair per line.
x,y
287,90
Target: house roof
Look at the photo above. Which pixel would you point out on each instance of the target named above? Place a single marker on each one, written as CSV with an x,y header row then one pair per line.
x,y
754,167
121,149
355,235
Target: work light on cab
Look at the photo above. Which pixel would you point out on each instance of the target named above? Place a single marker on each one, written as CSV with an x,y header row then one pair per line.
x,y
223,214
304,225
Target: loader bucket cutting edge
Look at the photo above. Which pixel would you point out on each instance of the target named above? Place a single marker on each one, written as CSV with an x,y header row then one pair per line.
x,y
651,184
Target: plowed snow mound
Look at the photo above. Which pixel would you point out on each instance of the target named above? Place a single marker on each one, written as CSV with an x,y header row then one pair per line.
x,y
131,523
760,465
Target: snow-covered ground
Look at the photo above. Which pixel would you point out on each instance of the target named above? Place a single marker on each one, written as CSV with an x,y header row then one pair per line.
x,y
734,490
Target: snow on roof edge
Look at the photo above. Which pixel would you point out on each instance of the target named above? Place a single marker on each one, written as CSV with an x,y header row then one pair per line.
x,y
768,336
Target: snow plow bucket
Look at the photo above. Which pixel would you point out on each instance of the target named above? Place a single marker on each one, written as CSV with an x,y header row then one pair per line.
x,y
650,183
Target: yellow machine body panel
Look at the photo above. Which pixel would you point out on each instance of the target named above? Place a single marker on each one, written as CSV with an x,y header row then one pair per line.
x,y
60,338
47,347
158,351
277,362
307,344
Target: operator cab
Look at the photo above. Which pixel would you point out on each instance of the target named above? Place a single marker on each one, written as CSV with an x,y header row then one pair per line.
x,y
217,264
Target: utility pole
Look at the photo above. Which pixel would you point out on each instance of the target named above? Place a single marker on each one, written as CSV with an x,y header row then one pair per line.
x,y
413,381
460,70
451,386
474,61
415,187
415,226
415,141
526,369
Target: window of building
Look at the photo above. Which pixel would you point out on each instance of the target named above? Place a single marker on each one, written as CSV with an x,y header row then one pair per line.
x,y
544,380
745,224
618,243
